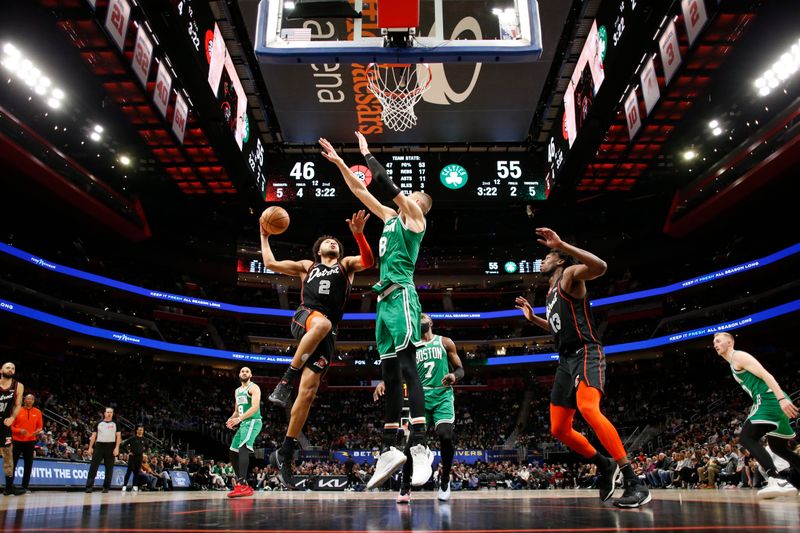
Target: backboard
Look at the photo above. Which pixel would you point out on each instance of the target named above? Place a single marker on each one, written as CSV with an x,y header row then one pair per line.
x,y
485,59
449,31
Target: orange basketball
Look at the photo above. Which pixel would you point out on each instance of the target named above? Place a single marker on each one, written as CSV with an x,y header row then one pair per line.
x,y
274,220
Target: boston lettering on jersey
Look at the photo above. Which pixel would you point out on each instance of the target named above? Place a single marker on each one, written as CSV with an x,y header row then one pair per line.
x,y
571,320
326,289
432,363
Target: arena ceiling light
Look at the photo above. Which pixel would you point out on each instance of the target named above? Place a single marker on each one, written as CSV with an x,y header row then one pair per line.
x,y
95,136
125,160
688,155
785,67
26,71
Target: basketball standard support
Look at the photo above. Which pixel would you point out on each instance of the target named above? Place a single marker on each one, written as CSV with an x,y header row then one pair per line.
x,y
270,47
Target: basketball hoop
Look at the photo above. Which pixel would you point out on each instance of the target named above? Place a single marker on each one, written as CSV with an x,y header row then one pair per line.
x,y
398,87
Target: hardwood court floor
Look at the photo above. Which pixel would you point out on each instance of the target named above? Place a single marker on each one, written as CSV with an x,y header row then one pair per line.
x,y
487,512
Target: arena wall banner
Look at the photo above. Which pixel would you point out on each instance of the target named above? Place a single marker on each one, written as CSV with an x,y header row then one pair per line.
x,y
483,315
462,456
56,473
498,456
325,483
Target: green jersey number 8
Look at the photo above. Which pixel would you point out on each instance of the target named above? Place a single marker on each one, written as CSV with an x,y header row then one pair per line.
x,y
382,246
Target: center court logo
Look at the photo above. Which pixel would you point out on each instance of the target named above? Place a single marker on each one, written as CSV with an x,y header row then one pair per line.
x,y
453,176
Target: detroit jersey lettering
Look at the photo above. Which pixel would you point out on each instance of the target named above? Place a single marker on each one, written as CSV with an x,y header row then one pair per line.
x,y
326,289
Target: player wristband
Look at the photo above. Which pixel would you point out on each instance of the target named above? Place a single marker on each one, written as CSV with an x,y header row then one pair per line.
x,y
782,398
367,259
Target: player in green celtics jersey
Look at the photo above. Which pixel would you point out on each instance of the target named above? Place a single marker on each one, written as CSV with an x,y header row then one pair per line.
x,y
246,415
398,312
435,357
769,416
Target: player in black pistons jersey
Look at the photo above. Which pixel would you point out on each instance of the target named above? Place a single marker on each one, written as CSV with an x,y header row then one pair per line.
x,y
325,287
11,392
580,377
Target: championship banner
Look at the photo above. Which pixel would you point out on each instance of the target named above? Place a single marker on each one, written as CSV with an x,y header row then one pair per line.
x,y
632,114
163,87
119,14
695,17
180,117
142,55
670,53
650,86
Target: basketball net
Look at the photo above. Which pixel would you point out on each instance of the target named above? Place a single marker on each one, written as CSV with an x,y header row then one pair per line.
x,y
398,87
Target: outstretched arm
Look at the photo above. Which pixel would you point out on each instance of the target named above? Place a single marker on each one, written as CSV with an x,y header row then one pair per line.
x,y
364,259
523,305
413,216
748,362
590,267
355,185
455,362
290,268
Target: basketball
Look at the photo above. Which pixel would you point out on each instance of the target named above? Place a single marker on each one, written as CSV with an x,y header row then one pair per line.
x,y
274,220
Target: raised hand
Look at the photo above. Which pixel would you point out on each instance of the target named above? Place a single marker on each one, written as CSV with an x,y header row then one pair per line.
x,y
357,221
362,143
328,151
548,238
524,306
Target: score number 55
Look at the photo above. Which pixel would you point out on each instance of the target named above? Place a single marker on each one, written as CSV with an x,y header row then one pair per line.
x,y
507,169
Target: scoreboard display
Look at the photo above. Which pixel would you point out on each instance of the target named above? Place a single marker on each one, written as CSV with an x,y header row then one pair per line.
x,y
522,266
447,177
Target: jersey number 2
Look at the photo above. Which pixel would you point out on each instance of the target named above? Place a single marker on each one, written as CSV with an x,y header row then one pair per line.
x,y
324,286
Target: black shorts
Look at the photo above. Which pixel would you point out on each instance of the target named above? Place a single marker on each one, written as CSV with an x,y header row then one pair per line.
x,y
588,364
321,358
5,435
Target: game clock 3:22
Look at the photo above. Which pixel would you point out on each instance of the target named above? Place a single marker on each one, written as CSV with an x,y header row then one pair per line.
x,y
446,176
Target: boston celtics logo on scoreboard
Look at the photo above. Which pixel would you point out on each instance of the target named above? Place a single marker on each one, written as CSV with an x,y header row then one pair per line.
x,y
453,176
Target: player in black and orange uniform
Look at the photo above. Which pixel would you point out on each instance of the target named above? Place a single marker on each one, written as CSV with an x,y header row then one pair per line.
x,y
11,392
580,376
325,287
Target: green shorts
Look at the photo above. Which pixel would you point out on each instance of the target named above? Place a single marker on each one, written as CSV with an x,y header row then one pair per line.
x,y
246,434
397,321
767,410
439,407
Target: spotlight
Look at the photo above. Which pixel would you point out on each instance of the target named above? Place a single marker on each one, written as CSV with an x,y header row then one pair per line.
x,y
54,103
717,131
764,91
713,124
688,155
11,50
125,160
58,94
98,128
94,136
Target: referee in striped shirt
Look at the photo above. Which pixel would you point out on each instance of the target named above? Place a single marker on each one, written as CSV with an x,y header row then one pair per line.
x,y
103,446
